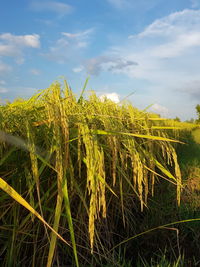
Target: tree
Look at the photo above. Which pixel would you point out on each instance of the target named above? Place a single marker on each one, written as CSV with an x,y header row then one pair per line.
x,y
177,119
198,112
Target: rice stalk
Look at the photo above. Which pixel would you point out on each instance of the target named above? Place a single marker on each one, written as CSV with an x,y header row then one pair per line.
x,y
88,160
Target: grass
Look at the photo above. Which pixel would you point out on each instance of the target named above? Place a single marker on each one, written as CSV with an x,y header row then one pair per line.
x,y
87,170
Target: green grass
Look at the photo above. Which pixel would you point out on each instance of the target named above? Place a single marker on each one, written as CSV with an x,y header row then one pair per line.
x,y
84,172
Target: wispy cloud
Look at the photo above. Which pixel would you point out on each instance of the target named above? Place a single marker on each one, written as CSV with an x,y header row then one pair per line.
x,y
178,46
78,69
7,50
69,44
167,51
163,58
57,7
79,35
159,109
13,45
35,71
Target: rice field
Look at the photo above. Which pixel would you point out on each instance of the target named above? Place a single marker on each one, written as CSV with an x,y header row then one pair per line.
x,y
78,176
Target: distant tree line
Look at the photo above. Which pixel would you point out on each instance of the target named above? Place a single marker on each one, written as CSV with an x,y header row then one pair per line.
x,y
192,120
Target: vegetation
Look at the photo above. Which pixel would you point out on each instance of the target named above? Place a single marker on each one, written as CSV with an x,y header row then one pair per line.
x,y
82,178
198,112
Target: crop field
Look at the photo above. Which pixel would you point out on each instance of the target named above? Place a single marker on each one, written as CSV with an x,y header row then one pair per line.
x,y
86,182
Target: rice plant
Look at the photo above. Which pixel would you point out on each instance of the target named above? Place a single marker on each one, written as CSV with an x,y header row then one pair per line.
x,y
77,167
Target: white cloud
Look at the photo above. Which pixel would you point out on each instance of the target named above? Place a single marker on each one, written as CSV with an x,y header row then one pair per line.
x,y
159,109
82,44
78,69
13,45
167,53
112,96
31,40
7,50
178,46
171,24
78,35
53,6
79,39
69,45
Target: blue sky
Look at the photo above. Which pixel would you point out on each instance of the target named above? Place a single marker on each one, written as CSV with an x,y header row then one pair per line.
x,y
149,47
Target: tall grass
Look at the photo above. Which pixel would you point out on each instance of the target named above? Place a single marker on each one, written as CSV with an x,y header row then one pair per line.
x,y
81,166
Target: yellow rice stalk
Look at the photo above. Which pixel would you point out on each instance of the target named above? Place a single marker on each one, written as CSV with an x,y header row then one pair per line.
x,y
178,176
114,158
120,147
57,115
54,116
94,161
102,198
